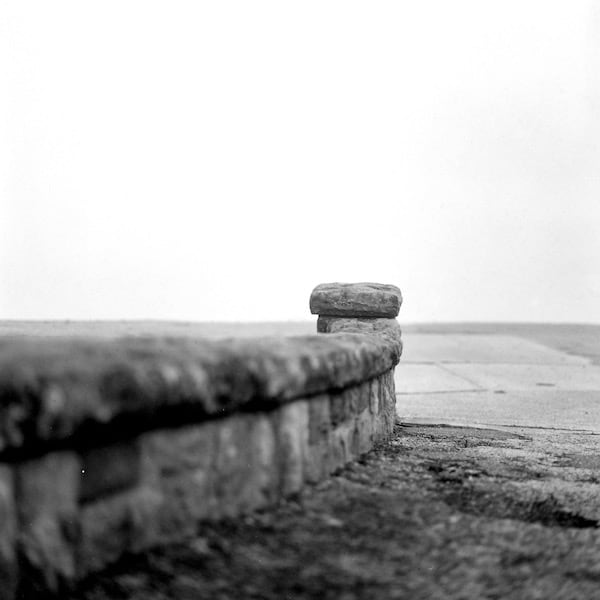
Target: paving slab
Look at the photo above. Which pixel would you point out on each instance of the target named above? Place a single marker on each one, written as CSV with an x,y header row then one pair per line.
x,y
413,378
528,376
480,348
509,382
553,409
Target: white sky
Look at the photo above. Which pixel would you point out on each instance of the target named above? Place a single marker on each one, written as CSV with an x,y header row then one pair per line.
x,y
216,160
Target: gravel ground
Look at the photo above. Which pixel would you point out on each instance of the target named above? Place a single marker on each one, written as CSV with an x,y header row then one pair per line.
x,y
436,513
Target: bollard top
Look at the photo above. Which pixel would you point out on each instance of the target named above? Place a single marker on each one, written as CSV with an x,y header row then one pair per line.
x,y
356,300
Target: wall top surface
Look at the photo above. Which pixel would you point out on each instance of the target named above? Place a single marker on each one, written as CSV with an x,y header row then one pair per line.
x,y
54,388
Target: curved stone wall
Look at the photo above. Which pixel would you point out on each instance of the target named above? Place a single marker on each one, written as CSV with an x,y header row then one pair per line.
x,y
110,447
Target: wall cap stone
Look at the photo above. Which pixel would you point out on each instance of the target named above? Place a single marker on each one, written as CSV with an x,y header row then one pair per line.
x,y
356,300
59,389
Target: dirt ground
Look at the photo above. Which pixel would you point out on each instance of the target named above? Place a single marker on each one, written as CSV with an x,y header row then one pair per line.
x,y
436,513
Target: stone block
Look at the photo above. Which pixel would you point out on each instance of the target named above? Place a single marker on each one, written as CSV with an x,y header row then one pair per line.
x,y
232,462
374,392
113,525
356,300
179,465
108,469
186,499
340,446
291,424
319,419
340,406
265,481
317,461
181,449
363,397
245,469
387,398
364,427
319,431
345,404
385,328
8,521
46,493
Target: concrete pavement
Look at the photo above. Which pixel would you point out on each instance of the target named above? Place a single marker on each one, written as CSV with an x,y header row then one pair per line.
x,y
495,380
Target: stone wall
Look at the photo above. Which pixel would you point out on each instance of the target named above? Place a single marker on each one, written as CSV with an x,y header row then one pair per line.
x,y
110,447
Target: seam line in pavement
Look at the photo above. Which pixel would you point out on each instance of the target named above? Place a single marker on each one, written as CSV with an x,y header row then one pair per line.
x,y
487,362
460,376
590,431
469,391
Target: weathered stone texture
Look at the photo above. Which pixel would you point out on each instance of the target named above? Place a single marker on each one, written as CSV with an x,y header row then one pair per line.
x,y
179,450
47,491
108,469
185,499
227,467
263,450
244,471
319,419
111,526
319,433
374,396
365,429
112,446
292,432
387,399
387,329
349,402
79,513
57,389
341,445
356,300
179,464
8,532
